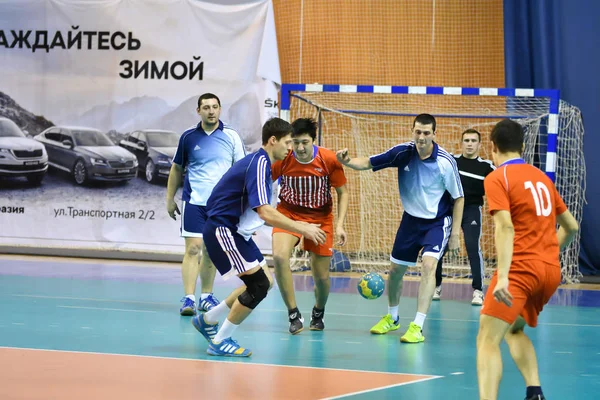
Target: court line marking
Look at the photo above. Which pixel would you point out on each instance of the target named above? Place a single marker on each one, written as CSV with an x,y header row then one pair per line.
x,y
257,310
107,309
425,377
343,396
35,296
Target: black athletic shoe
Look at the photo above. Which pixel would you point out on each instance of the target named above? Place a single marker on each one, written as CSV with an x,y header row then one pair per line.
x,y
296,322
316,320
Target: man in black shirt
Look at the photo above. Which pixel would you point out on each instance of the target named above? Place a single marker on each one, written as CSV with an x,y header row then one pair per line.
x,y
473,170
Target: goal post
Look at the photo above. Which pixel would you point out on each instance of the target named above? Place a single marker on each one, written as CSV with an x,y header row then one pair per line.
x,y
369,119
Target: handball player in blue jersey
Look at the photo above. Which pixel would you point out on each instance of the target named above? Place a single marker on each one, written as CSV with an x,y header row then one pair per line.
x,y
238,206
204,153
433,200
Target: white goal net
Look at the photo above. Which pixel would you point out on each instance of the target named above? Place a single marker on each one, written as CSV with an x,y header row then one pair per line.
x,y
369,123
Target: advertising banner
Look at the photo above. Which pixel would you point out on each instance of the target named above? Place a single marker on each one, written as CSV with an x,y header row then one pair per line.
x,y
93,98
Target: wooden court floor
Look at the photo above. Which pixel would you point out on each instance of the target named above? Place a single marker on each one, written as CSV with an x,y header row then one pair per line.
x,y
93,329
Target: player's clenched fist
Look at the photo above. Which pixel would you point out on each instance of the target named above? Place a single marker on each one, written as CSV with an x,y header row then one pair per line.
x,y
342,156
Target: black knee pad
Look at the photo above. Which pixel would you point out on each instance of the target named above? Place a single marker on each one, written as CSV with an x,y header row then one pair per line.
x,y
257,287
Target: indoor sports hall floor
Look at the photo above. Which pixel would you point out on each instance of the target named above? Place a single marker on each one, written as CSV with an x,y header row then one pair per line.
x,y
89,329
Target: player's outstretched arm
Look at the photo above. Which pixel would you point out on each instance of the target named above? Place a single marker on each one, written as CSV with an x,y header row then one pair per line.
x,y
175,178
567,230
274,218
360,164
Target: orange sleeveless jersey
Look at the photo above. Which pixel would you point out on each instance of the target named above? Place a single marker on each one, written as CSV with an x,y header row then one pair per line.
x,y
306,188
533,202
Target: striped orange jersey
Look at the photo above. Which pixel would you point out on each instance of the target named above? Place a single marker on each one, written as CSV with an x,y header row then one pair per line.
x,y
305,188
533,202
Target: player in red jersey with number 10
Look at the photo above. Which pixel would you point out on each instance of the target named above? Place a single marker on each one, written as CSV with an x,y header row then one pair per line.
x,y
526,207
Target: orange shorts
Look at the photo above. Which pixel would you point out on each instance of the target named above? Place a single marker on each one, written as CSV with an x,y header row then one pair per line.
x,y
531,283
326,223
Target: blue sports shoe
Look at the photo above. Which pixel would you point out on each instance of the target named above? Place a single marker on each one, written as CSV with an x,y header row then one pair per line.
x,y
209,331
208,303
227,348
188,308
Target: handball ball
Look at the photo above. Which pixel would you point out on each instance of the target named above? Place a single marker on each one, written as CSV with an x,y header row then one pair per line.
x,y
371,286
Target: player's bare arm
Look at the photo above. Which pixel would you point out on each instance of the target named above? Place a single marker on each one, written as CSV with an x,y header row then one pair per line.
x,y
359,164
567,230
274,218
504,237
175,179
457,214
342,207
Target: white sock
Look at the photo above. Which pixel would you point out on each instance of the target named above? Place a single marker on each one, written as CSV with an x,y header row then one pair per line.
x,y
394,312
191,297
216,313
204,295
226,331
420,319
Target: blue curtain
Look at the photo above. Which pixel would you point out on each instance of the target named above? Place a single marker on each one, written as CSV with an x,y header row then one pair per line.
x,y
553,44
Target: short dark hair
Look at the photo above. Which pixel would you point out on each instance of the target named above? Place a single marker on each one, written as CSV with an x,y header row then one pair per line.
x,y
474,131
275,127
303,126
425,119
207,96
508,136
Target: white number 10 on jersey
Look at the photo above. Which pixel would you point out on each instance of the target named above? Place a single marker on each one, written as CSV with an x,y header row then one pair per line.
x,y
541,197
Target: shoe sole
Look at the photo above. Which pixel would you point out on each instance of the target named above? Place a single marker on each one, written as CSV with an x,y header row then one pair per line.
x,y
383,333
186,312
312,328
213,353
297,332
407,341
477,304
434,299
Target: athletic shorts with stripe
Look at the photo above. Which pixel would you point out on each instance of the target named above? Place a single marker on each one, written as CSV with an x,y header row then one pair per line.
x,y
531,283
326,224
193,218
229,251
415,234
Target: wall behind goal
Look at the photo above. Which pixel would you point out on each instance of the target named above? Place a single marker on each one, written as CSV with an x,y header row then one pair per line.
x,y
404,42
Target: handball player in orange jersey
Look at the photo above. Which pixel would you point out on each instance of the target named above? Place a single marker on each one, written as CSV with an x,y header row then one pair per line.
x,y
525,206
306,177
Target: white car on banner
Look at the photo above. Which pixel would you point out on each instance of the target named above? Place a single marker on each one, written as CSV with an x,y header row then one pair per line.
x,y
20,155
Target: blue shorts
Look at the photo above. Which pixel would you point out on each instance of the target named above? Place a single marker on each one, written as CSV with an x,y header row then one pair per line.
x,y
193,218
229,251
415,234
